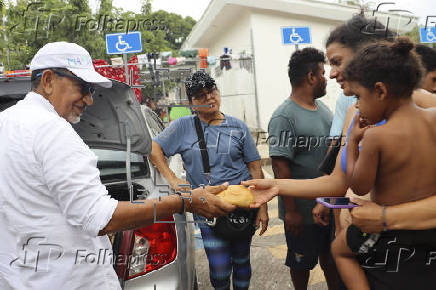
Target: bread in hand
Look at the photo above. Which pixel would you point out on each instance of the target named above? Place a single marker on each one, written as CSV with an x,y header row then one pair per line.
x,y
238,195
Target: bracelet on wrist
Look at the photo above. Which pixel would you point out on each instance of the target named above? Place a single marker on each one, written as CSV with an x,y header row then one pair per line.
x,y
182,211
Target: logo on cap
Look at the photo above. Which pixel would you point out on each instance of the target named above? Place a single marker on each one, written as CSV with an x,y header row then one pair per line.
x,y
78,61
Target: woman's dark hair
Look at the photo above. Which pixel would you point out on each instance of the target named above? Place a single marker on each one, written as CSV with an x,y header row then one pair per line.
x,y
198,81
395,64
428,56
359,31
302,62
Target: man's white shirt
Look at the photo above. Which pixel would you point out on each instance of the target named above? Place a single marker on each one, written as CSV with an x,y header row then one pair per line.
x,y
52,204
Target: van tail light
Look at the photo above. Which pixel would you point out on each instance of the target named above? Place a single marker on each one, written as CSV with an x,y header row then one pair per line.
x,y
154,247
149,248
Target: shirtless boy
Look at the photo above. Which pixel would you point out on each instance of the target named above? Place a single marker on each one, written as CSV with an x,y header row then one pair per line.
x,y
395,159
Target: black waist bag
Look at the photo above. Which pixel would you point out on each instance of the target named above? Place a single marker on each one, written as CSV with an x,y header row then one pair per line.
x,y
237,225
240,223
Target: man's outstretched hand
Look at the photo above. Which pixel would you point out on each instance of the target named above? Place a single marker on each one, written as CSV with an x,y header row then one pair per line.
x,y
263,190
206,203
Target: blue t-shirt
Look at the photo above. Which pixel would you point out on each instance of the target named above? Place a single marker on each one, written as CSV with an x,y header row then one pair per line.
x,y
342,104
229,144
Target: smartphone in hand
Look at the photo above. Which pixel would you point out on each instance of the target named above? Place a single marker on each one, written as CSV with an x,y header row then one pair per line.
x,y
336,202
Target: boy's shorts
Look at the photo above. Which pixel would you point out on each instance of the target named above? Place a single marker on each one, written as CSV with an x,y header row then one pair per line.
x,y
305,248
360,242
398,259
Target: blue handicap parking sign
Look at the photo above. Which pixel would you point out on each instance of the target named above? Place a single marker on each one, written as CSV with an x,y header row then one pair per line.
x,y
118,43
428,35
296,35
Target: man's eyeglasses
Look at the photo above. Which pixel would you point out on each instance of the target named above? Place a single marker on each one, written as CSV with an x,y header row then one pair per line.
x,y
203,94
85,88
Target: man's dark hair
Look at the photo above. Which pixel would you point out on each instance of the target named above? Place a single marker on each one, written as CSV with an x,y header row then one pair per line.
x,y
359,31
198,81
34,79
302,62
428,56
395,64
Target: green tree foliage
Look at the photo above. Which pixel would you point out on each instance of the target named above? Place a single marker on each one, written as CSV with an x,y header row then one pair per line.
x,y
146,6
32,23
414,34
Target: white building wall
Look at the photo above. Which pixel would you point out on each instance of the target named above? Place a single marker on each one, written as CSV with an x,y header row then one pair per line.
x,y
237,84
228,24
272,59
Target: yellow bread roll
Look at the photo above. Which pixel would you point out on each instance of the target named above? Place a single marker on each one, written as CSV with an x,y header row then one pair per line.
x,y
238,195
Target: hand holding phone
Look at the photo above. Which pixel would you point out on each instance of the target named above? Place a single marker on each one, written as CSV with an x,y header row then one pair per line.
x,y
336,202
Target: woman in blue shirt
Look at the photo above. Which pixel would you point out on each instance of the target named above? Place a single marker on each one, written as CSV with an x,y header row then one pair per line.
x,y
233,157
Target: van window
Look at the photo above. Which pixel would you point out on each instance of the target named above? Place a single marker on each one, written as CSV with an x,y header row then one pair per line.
x,y
112,165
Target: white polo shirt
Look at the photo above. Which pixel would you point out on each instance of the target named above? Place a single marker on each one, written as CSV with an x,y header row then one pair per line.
x,y
52,204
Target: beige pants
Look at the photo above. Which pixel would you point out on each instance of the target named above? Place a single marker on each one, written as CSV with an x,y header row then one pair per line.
x,y
345,216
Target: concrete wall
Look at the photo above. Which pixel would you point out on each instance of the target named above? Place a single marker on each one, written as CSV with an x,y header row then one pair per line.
x,y
237,84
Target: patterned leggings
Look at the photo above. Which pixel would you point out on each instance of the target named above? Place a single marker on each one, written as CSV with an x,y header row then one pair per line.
x,y
225,256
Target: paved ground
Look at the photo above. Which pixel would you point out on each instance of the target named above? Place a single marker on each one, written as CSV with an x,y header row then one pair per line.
x,y
268,255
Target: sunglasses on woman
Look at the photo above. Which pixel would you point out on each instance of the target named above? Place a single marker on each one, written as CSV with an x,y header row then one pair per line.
x,y
202,95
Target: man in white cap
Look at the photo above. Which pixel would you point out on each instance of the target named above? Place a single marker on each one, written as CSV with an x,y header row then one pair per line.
x,y
54,211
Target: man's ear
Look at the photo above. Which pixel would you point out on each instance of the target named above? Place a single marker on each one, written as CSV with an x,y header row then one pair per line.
x,y
381,90
311,78
47,82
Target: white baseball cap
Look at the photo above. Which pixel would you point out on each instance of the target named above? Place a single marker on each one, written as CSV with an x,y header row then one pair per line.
x,y
70,56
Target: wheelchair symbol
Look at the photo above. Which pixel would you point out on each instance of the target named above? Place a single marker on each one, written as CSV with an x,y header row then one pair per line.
x,y
295,37
430,35
121,45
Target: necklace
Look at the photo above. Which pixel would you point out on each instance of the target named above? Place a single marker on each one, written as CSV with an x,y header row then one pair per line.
x,y
304,105
217,119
